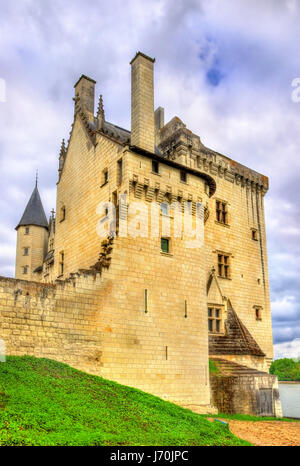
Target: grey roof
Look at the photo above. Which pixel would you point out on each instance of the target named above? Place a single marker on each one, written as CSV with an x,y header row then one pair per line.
x,y
34,213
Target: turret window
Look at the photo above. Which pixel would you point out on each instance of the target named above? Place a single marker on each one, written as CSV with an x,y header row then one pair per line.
x,y
25,269
26,230
26,251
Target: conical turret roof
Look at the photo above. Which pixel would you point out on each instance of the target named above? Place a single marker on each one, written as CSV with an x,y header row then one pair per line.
x,y
34,213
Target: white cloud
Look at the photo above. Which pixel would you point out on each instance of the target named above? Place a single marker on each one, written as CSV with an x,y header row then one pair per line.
x,y
289,349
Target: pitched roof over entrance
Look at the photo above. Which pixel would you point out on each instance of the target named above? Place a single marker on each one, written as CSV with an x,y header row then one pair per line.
x,y
237,339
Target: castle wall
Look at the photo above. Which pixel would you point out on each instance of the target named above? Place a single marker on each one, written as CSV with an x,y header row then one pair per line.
x,y
100,325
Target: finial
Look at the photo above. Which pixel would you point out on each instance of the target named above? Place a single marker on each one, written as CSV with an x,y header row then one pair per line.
x,y
62,148
100,111
52,212
36,178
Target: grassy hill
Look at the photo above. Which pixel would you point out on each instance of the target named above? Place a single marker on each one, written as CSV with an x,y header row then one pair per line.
x,y
44,402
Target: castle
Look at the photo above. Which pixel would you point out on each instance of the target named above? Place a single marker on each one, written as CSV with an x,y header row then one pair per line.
x,y
147,311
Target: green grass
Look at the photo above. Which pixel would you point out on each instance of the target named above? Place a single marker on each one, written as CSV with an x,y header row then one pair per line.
x,y
213,368
43,402
248,417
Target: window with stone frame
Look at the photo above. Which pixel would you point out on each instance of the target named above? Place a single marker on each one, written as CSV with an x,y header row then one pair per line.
x,y
222,212
26,251
26,230
25,269
224,265
214,319
165,245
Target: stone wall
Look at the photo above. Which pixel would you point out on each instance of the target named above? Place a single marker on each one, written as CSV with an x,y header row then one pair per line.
x,y
100,326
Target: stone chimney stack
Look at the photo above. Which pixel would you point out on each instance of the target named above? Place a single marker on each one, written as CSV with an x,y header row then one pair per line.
x,y
142,102
85,90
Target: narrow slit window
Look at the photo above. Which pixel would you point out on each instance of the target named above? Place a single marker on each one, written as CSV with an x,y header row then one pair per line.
x,y
120,171
61,263
155,166
183,176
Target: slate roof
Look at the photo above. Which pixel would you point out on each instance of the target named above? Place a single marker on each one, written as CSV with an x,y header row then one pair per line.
x,y
34,213
237,339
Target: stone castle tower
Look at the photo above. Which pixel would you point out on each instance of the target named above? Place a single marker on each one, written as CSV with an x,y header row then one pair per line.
x,y
148,310
32,237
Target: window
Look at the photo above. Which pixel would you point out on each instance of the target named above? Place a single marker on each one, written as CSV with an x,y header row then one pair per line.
x,y
155,166
105,177
120,171
62,213
214,320
223,266
26,250
61,262
165,245
183,176
51,245
257,310
254,234
26,230
25,269
164,208
221,212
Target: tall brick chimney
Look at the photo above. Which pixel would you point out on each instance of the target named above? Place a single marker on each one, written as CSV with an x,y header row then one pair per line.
x,y
142,102
85,90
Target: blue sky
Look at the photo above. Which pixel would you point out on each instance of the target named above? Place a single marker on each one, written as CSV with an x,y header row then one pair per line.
x,y
225,68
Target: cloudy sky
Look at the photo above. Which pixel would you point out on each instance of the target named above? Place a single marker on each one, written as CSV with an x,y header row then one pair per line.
x,y
224,67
